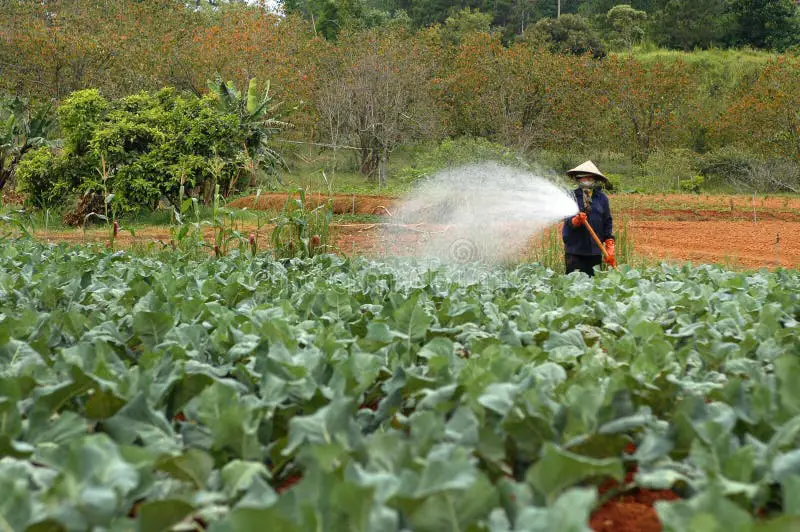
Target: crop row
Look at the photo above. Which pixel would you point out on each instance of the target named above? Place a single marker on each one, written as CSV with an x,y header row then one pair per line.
x,y
143,393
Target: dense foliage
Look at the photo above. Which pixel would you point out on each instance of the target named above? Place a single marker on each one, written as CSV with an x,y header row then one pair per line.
x,y
141,148
138,393
372,90
24,126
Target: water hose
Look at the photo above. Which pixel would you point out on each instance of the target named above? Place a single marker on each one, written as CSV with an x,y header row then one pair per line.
x,y
596,239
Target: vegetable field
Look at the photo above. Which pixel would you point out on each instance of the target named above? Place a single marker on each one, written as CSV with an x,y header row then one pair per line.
x,y
243,393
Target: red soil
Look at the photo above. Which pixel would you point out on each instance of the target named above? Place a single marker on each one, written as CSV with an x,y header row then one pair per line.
x,y
741,243
632,512
288,482
734,243
680,207
669,227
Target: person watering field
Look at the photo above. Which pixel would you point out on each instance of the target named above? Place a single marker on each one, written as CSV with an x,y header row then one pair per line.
x,y
581,251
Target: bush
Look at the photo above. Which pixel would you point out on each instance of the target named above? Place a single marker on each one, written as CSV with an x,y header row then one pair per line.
x,y
665,169
693,185
465,150
726,166
41,177
144,147
153,143
735,169
615,182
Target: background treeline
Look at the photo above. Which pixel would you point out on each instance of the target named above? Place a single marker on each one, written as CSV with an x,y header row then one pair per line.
x,y
553,93
682,24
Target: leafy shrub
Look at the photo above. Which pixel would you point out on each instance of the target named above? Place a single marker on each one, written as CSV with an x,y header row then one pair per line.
x,y
146,146
155,142
665,169
42,178
726,165
616,182
693,185
731,167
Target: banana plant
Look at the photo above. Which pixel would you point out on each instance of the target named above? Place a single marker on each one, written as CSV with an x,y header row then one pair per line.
x,y
257,116
23,126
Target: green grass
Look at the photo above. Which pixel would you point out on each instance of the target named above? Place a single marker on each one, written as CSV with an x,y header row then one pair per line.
x,y
320,170
704,57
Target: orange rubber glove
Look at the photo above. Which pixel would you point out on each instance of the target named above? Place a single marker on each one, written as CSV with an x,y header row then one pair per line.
x,y
610,246
579,219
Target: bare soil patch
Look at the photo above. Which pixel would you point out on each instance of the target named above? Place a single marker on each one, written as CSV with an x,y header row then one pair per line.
x,y
748,244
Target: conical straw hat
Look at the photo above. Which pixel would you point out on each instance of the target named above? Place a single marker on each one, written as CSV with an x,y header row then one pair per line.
x,y
587,168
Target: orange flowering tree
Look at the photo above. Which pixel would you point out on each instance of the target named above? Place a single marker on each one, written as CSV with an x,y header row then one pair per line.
x,y
644,102
241,42
49,49
767,115
522,95
53,48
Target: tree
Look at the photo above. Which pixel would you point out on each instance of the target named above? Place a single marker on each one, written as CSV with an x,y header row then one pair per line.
x,y
644,101
376,94
519,96
23,127
766,23
328,17
627,25
767,115
258,122
569,34
464,22
690,24
52,48
602,7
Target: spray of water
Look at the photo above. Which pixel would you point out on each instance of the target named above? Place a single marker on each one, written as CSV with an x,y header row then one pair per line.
x,y
484,212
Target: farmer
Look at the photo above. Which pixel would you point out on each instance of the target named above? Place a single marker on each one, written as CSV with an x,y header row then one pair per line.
x,y
581,251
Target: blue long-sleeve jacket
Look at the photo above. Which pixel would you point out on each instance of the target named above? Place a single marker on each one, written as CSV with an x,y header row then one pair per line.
x,y
577,240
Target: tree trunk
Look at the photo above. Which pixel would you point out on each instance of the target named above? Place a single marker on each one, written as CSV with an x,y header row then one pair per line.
x,y
5,174
370,159
208,192
383,169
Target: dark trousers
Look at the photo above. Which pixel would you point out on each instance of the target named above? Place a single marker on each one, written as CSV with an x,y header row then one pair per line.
x,y
582,263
